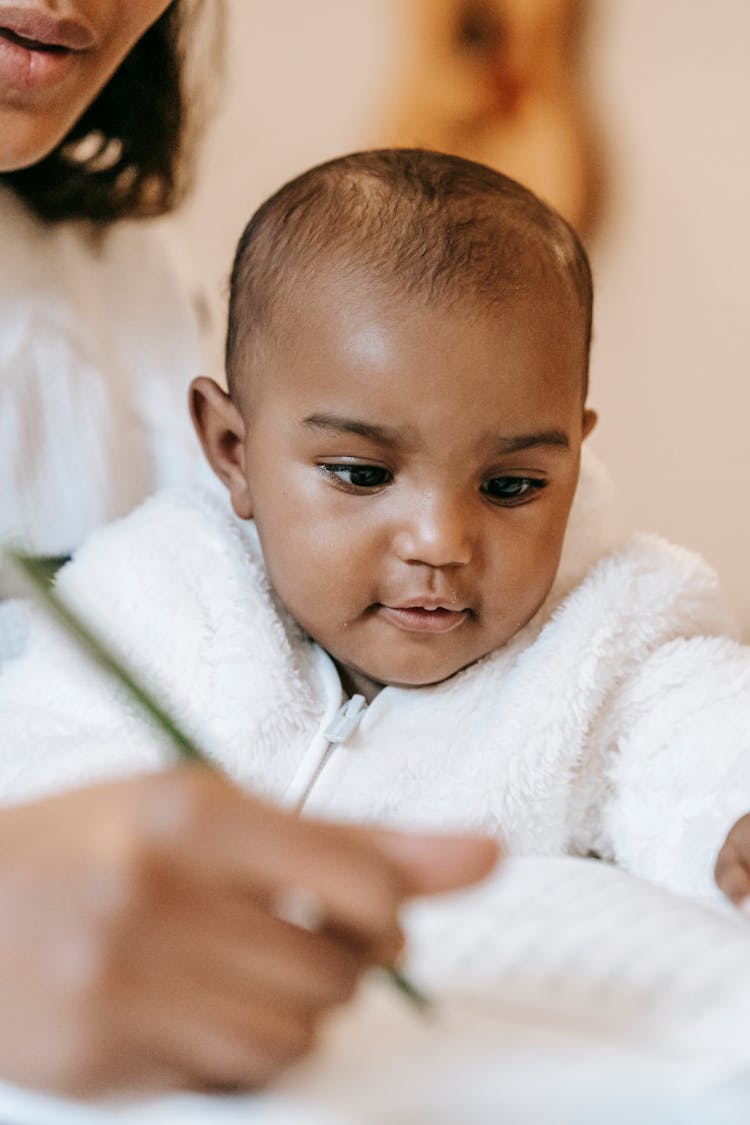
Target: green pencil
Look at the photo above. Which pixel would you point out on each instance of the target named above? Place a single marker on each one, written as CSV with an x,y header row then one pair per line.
x,y
37,572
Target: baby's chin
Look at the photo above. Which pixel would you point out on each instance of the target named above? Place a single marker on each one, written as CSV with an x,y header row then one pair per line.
x,y
370,682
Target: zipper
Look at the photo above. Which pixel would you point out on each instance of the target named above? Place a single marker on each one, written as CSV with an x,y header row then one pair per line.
x,y
343,724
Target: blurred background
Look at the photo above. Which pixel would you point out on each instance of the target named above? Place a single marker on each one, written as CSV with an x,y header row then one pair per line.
x,y
631,116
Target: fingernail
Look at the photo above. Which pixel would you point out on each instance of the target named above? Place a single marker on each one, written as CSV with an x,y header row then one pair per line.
x,y
299,906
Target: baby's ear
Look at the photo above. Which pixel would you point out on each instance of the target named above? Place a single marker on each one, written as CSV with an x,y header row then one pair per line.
x,y
221,429
590,418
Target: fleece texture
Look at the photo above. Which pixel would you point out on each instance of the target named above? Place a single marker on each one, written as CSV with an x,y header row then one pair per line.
x,y
615,723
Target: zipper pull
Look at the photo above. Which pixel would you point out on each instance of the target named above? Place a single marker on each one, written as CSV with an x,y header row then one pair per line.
x,y
346,720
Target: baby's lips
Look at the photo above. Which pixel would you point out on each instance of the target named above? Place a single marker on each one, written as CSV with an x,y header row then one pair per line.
x,y
428,603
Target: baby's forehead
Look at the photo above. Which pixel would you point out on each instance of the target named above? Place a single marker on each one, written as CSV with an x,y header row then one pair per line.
x,y
343,297
336,293
347,329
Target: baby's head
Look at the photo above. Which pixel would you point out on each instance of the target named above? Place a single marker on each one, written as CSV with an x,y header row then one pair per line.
x,y
407,362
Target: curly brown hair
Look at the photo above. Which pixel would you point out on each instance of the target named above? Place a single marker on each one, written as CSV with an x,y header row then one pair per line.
x,y
131,153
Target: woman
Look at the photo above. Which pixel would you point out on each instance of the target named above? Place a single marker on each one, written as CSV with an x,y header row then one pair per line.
x,y
91,312
98,338
143,938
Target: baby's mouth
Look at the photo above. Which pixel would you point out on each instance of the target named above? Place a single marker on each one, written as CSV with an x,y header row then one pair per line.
x,y
423,618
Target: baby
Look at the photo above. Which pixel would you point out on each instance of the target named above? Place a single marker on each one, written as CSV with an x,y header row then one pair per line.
x,y
412,613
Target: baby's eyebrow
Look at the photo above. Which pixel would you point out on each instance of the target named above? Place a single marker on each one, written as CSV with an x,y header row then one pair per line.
x,y
337,424
526,441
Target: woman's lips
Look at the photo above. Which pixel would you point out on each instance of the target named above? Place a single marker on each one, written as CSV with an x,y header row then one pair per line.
x,y
37,50
45,29
417,619
28,68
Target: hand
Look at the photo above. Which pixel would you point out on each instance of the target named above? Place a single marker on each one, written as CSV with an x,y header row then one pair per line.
x,y
732,871
139,944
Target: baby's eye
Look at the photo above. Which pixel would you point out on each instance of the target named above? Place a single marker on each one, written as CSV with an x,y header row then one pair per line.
x,y
359,476
512,490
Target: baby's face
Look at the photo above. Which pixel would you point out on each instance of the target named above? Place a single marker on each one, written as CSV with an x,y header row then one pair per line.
x,y
411,470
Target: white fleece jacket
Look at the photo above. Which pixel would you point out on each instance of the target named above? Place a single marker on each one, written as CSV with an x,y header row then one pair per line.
x,y
616,722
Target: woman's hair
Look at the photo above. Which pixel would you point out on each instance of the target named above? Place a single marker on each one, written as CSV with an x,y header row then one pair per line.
x,y
130,154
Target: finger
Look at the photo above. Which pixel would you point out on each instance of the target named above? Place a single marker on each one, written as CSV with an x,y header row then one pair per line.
x,y
359,877
733,878
199,1010
219,1042
735,883
131,1066
366,873
257,957
231,945
429,864
739,836
202,824
356,889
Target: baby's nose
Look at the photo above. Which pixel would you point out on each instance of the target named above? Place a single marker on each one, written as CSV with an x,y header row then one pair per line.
x,y
435,532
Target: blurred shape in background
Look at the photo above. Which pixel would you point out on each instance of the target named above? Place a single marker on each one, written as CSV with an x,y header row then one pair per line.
x,y
502,82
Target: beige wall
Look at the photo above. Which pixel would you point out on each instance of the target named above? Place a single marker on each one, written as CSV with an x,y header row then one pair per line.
x,y
672,351
304,81
672,355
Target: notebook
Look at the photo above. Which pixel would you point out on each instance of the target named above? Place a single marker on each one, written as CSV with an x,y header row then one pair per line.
x,y
566,992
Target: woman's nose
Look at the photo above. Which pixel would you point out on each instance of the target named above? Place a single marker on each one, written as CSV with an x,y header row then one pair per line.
x,y
435,532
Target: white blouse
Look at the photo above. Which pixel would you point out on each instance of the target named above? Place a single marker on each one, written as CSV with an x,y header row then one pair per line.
x,y
98,341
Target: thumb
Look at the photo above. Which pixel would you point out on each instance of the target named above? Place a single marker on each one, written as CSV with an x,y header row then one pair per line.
x,y
428,864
